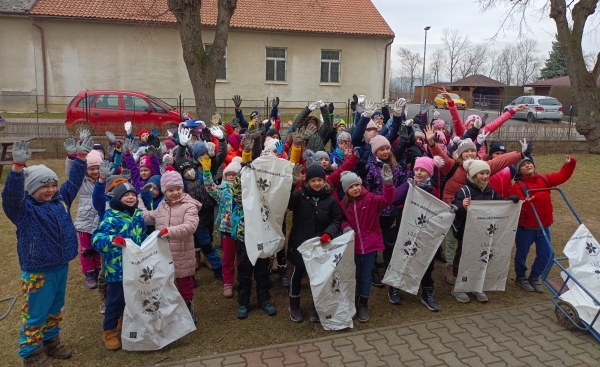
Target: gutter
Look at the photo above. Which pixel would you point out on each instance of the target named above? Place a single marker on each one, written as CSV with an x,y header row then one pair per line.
x,y
385,68
44,65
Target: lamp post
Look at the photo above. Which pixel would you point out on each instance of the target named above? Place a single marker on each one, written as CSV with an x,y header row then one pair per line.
x,y
423,77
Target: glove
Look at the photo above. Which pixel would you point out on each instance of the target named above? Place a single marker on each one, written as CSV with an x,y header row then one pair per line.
x,y
154,132
110,150
151,151
321,103
253,131
21,152
481,138
355,99
526,148
298,137
369,109
353,106
105,169
202,124
147,187
237,101
216,132
313,106
164,233
168,159
331,107
235,123
386,174
184,136
485,117
214,120
514,198
478,123
111,137
206,162
280,146
84,147
163,148
119,241
69,145
211,148
153,141
84,134
347,229
409,122
127,146
229,127
398,108
275,102
247,143
297,173
310,131
325,238
360,103
169,134
126,174
436,115
128,127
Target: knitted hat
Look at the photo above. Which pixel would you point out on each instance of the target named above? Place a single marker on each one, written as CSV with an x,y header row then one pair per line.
x,y
235,166
418,132
271,144
113,181
182,164
122,189
199,148
438,124
309,157
314,170
169,143
38,176
474,166
464,145
170,179
425,163
341,123
320,154
235,141
155,180
99,147
518,175
496,146
377,142
253,113
376,114
94,158
371,125
145,162
273,132
348,179
143,131
473,118
344,135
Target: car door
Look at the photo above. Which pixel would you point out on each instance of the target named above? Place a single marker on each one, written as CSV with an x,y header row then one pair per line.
x,y
137,110
518,114
106,112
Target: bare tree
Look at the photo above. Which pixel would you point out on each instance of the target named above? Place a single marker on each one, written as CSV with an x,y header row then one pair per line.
x,y
492,63
411,62
473,61
527,60
505,65
456,47
437,64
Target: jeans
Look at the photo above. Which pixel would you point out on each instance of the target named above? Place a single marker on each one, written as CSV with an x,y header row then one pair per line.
x,y
427,280
524,239
450,249
115,305
364,265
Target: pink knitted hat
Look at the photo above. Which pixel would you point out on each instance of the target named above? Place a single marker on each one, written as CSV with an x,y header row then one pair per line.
x,y
371,125
170,179
438,124
94,158
377,142
145,162
472,118
425,163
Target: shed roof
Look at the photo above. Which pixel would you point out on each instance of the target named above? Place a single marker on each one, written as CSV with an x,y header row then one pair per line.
x,y
561,81
477,81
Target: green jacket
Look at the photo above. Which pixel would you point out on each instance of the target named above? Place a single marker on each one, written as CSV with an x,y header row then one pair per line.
x,y
318,140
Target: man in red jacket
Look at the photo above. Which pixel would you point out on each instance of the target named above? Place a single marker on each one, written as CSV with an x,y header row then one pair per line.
x,y
529,230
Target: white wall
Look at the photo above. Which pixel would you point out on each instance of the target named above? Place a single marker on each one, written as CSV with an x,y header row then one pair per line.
x,y
96,55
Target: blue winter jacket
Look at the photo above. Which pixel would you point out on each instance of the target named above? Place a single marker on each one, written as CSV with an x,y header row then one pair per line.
x,y
46,236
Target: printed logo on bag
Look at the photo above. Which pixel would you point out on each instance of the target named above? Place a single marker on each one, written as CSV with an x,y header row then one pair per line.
x,y
133,335
263,185
151,304
591,248
259,246
265,213
485,256
335,283
491,230
410,251
147,273
421,221
336,259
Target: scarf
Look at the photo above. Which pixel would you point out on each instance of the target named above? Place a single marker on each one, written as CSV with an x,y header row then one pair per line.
x,y
119,206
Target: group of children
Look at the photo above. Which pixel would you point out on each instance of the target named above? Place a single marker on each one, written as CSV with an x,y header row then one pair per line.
x,y
189,186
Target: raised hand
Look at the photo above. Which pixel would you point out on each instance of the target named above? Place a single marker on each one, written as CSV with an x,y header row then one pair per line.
x,y
237,101
481,138
321,103
386,174
520,107
168,159
84,147
111,137
409,122
211,148
128,127
147,187
298,137
297,173
69,145
360,103
105,170
526,148
436,115
127,146
247,142
445,93
313,106
154,132
280,147
21,152
151,151
214,120
309,131
398,108
369,108
275,102
111,150
205,162
126,173
84,134
216,132
331,107
485,117
184,136
348,151
430,135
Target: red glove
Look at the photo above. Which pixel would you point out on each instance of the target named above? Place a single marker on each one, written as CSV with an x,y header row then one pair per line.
x,y
325,238
229,129
164,233
119,241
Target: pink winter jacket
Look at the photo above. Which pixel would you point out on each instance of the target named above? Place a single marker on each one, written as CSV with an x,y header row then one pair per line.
x,y
459,128
181,219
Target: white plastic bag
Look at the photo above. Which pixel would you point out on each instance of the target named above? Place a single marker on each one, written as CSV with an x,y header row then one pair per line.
x,y
266,188
487,244
425,222
332,274
155,314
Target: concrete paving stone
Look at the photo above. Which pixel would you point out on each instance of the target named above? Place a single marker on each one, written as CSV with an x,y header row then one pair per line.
x,y
422,331
526,319
480,320
308,347
291,355
515,349
539,353
297,365
544,343
450,360
334,361
508,317
571,349
341,342
555,363
476,333
392,360
519,338
508,357
326,349
253,359
371,358
192,364
513,312
414,342
445,334
244,365
495,333
405,353
373,336
313,359
462,321
586,359
592,349
549,335
532,361
484,353
436,346
451,326
467,340
392,337
238,359
551,324
433,325
498,364
383,349
502,325
360,343
428,359
418,363
401,331
533,314
524,329
491,345
474,362
572,338
542,307
271,353
356,364
563,356
273,362
461,351
217,362
348,354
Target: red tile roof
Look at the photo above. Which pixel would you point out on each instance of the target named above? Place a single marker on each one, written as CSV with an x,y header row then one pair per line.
x,y
353,17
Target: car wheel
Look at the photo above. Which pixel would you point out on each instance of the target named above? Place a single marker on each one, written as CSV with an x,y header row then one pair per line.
x,y
530,117
76,128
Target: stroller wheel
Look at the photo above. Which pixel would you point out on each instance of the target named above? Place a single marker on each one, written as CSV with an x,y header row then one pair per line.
x,y
563,309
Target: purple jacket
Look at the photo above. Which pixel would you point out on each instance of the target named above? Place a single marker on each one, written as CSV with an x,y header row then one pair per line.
x,y
362,215
136,180
374,183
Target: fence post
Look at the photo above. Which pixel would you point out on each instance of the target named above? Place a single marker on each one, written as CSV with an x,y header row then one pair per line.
x,y
348,122
37,114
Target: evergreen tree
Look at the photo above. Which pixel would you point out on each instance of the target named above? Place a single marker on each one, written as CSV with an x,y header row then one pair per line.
x,y
556,64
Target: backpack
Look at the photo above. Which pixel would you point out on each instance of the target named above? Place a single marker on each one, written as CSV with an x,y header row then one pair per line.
x,y
524,187
438,180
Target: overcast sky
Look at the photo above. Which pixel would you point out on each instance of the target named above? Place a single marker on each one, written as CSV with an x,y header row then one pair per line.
x,y
407,18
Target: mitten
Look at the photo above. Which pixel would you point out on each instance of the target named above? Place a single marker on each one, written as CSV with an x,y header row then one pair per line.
x,y
205,162
147,187
325,238
164,233
119,241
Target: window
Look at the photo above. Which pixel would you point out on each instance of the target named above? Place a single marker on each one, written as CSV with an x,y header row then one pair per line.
x,y
549,102
133,103
86,102
330,66
158,108
108,101
223,70
518,101
276,64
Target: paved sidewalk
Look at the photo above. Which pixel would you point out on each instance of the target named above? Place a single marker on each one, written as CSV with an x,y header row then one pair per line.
x,y
522,336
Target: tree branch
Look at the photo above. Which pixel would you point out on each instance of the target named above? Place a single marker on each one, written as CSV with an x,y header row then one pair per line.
x,y
596,70
581,11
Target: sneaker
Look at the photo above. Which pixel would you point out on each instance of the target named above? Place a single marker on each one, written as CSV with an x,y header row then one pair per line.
x,y
524,284
103,306
535,283
242,312
376,278
227,290
268,308
91,279
461,296
314,316
449,274
295,312
55,349
427,299
481,297
394,296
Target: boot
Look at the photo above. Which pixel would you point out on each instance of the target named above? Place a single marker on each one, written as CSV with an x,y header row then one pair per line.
x,y
363,309
38,359
295,312
242,312
218,274
285,279
190,307
449,273
198,260
54,349
91,279
314,316
111,340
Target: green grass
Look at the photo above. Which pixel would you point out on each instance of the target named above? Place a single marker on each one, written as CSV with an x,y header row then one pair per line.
x,y
82,325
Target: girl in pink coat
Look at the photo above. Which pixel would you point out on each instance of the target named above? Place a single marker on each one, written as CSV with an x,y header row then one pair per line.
x,y
362,209
176,218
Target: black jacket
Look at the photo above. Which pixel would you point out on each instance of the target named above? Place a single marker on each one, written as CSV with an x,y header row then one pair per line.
x,y
470,190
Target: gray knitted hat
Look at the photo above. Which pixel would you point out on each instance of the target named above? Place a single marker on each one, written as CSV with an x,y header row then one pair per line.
x,y
38,176
348,179
320,154
463,145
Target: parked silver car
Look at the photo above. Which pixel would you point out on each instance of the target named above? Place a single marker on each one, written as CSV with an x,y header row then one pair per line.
x,y
538,108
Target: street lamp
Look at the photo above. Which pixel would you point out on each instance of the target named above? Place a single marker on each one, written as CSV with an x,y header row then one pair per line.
x,y
423,77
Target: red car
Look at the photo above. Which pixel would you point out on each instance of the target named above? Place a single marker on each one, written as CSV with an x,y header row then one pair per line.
x,y
102,110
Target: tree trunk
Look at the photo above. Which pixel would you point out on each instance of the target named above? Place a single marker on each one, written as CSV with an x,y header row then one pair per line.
x,y
583,83
202,68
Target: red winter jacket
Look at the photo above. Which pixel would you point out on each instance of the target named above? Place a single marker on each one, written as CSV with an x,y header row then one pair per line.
x,y
460,129
501,182
542,200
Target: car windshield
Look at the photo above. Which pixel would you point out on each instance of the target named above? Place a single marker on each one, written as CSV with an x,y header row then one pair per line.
x,y
163,103
454,96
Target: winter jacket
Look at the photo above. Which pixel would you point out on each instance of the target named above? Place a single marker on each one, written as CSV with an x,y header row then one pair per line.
x,y
181,220
362,215
317,141
542,200
365,148
457,180
46,236
223,195
470,190
114,224
240,115
100,199
87,218
501,182
459,128
136,180
402,191
313,218
374,183
195,188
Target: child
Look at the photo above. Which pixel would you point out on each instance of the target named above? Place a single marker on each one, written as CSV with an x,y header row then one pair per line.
x,y
176,218
46,242
151,195
148,166
529,230
316,214
361,209
477,188
87,219
123,220
343,140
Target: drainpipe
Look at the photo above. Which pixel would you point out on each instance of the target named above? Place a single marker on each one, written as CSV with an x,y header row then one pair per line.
x,y
43,42
385,68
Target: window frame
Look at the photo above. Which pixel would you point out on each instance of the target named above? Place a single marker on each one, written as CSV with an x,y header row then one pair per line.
x,y
134,107
223,62
107,108
275,59
338,61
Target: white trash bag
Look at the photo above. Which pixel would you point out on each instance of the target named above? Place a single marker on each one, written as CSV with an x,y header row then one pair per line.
x,y
155,314
488,240
266,188
332,274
